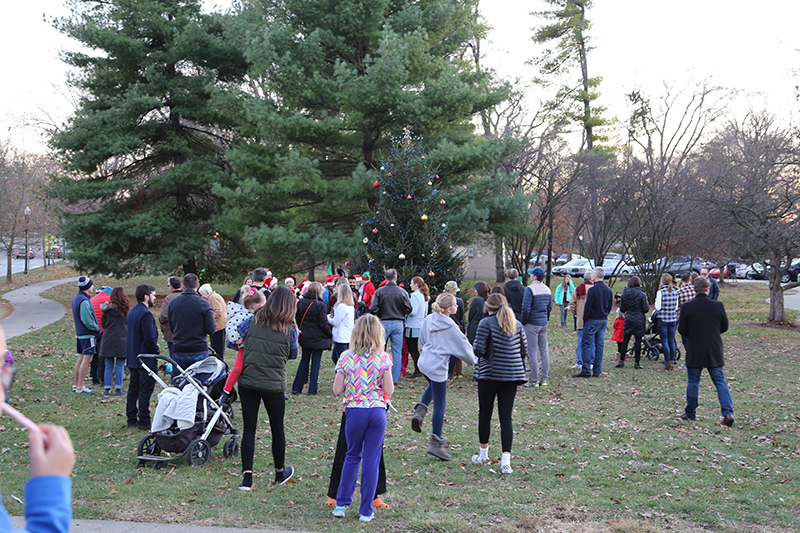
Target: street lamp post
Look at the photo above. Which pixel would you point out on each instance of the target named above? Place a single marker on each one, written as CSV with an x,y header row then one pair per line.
x,y
27,219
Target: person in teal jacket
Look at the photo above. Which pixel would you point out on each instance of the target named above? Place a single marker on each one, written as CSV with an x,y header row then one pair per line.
x,y
562,297
48,493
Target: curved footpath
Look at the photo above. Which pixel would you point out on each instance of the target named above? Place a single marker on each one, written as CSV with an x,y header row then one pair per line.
x,y
32,312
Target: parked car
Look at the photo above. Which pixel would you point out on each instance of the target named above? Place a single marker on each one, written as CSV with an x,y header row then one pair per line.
x,y
576,267
617,267
20,254
53,253
677,266
791,274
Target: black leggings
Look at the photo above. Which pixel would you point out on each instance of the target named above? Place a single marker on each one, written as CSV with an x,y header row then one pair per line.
x,y
338,463
413,350
275,404
637,346
505,391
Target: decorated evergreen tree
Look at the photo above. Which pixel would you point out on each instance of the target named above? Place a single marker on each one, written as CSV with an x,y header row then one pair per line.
x,y
409,229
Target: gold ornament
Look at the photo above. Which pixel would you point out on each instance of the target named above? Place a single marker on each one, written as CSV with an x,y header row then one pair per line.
x,y
424,217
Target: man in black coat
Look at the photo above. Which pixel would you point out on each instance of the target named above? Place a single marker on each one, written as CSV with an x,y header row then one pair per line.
x,y
514,291
391,304
702,321
142,339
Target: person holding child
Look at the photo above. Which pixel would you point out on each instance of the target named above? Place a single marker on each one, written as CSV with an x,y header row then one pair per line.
x,y
364,376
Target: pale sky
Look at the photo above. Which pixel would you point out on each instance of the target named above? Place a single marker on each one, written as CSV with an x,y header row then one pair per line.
x,y
637,44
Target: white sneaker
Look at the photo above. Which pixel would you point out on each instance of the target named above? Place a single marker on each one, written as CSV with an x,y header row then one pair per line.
x,y
576,365
476,460
506,469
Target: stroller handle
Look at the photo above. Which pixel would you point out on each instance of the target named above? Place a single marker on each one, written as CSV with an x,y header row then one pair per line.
x,y
143,356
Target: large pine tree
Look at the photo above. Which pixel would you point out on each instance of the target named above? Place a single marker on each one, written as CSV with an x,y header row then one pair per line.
x,y
332,83
409,230
148,141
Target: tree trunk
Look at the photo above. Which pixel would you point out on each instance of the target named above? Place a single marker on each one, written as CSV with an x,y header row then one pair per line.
x,y
499,266
8,263
777,312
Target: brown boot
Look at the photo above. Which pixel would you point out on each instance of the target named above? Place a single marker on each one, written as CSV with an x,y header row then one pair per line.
x,y
436,448
668,365
420,410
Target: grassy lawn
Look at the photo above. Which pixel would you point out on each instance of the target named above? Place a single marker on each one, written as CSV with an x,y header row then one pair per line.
x,y
588,455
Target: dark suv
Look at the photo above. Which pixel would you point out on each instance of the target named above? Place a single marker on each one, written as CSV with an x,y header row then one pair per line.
x,y
791,274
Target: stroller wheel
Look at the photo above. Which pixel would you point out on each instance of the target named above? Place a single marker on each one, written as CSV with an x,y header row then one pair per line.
x,y
148,446
198,453
231,448
653,353
677,354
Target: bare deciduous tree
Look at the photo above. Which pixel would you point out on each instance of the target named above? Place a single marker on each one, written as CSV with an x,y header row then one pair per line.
x,y
751,172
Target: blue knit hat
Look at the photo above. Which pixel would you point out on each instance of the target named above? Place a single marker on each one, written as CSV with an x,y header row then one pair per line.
x,y
85,283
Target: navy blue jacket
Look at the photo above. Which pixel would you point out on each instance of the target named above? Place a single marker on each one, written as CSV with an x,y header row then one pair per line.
x,y
599,300
191,318
713,293
142,335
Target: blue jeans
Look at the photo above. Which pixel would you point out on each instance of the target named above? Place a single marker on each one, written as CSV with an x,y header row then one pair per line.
x,y
315,357
187,359
594,334
693,390
364,431
578,358
338,349
436,392
114,365
394,332
666,330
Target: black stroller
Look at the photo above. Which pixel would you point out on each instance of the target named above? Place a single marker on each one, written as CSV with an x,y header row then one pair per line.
x,y
651,342
191,438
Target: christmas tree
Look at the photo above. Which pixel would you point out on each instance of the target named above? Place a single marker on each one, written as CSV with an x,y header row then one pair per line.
x,y
409,229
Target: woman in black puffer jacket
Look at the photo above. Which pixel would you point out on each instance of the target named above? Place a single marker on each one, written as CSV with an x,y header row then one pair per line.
x,y
315,336
633,303
501,348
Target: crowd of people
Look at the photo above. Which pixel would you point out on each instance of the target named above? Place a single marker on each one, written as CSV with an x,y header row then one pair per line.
x,y
505,338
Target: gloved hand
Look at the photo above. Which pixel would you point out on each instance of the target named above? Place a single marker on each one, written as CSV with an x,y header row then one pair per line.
x,y
224,400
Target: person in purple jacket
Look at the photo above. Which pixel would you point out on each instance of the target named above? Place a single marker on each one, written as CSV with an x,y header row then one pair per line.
x,y
48,493
599,300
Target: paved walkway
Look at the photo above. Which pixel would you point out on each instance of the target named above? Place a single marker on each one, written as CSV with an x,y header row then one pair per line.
x,y
32,312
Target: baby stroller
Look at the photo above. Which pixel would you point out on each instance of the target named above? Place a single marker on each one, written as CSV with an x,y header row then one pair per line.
x,y
188,421
651,342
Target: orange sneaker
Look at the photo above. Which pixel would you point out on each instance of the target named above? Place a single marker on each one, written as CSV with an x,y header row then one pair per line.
x,y
330,502
378,503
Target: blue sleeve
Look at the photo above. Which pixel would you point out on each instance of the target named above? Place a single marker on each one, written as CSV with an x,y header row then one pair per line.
x,y
527,300
48,504
88,317
244,327
293,345
210,325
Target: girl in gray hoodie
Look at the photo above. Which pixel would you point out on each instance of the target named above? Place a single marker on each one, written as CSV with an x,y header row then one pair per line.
x,y
439,338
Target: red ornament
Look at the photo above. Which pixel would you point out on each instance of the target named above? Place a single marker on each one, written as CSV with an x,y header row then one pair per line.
x,y
436,177
423,158
442,202
408,197
431,274
390,174
375,230
376,184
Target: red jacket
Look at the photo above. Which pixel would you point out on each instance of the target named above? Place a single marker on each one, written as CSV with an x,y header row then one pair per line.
x,y
369,290
96,300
